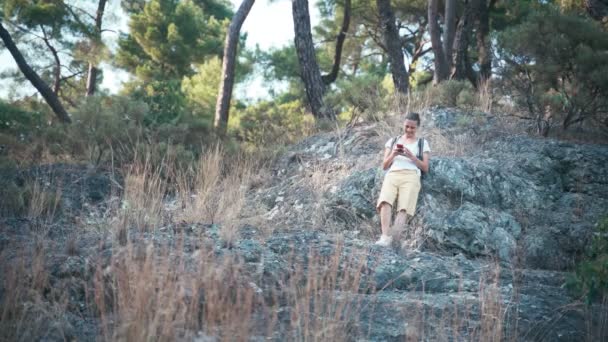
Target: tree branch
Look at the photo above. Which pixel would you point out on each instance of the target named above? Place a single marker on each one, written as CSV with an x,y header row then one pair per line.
x,y
331,77
33,77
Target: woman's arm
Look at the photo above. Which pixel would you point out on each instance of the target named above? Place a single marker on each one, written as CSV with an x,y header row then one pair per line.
x,y
388,158
424,163
421,164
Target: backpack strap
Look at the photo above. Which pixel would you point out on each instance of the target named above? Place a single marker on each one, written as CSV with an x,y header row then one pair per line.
x,y
394,142
420,145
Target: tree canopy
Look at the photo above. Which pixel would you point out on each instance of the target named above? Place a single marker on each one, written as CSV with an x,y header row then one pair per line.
x,y
547,57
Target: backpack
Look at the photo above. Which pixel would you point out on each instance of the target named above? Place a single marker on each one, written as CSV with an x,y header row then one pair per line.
x,y
419,156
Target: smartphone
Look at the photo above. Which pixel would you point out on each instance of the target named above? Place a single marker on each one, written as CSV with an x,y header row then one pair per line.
x,y
400,147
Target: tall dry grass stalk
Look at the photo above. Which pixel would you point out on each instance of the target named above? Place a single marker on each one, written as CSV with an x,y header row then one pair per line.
x,y
160,191
198,188
318,184
161,294
43,202
145,187
485,98
492,311
468,317
420,100
322,294
26,314
214,191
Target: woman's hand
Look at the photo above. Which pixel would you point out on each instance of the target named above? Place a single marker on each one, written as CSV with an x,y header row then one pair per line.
x,y
395,152
408,154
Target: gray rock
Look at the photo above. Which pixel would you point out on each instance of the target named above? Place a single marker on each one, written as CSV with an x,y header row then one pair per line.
x,y
476,230
518,197
497,223
355,197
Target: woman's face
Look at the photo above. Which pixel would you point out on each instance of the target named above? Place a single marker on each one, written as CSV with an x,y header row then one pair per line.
x,y
410,127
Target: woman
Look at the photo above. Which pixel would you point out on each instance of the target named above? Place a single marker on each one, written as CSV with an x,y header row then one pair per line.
x,y
402,180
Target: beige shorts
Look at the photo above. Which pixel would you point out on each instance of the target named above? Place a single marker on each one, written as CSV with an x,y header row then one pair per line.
x,y
403,186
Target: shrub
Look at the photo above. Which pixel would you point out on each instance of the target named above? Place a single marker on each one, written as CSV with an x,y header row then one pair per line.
x,y
360,97
102,125
267,123
13,202
16,121
453,93
450,93
558,66
591,276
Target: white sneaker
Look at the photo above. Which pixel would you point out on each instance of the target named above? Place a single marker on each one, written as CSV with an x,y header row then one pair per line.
x,y
384,241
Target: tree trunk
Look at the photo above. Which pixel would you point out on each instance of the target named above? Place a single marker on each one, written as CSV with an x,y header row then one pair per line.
x,y
597,9
331,77
32,76
449,30
222,106
93,71
461,43
393,46
484,47
309,68
441,72
419,50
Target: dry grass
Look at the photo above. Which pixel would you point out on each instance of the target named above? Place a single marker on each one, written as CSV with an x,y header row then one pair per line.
x,y
154,293
25,312
469,316
198,189
596,319
492,312
485,98
43,202
160,294
318,183
160,194
214,192
420,100
145,186
319,313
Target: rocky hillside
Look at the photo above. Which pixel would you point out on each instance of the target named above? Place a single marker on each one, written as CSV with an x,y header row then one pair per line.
x,y
502,219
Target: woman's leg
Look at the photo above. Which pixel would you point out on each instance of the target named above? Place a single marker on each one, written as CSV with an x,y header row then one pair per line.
x,y
388,195
400,220
385,218
408,198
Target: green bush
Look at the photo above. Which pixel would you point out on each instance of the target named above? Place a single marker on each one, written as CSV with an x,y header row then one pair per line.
x,y
591,276
13,201
165,100
453,93
16,121
556,66
365,96
103,126
104,129
466,98
267,124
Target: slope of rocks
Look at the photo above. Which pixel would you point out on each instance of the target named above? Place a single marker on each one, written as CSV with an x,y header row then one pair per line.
x,y
501,221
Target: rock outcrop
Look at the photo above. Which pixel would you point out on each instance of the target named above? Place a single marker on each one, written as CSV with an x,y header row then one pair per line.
x,y
500,222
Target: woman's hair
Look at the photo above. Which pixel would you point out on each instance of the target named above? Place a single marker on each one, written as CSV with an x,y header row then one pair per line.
x,y
414,117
